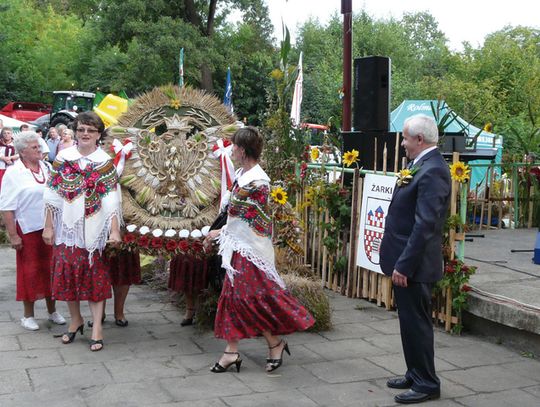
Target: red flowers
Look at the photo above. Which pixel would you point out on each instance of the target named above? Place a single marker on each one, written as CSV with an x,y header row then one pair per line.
x,y
144,241
129,238
197,247
101,188
183,245
251,213
171,245
465,288
156,243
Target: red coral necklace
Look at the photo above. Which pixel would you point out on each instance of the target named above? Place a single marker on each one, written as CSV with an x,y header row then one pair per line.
x,y
39,172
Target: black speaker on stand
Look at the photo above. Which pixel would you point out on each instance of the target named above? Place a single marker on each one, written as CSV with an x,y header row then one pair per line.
x,y
371,94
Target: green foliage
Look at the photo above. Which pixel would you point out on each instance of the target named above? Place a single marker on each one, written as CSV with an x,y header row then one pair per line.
x,y
39,49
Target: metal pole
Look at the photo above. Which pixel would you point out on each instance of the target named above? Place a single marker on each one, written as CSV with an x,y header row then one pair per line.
x,y
346,10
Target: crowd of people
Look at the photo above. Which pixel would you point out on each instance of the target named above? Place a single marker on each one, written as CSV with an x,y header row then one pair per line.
x,y
60,222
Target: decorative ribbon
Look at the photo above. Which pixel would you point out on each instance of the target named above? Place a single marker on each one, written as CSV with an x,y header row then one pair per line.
x,y
122,153
223,150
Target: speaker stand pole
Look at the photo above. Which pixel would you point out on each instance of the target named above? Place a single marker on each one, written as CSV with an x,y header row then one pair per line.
x,y
346,10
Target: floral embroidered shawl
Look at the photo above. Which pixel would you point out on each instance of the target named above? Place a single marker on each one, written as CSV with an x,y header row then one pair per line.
x,y
83,196
249,225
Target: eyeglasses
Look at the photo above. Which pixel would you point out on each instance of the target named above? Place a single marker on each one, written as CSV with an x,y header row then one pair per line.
x,y
89,131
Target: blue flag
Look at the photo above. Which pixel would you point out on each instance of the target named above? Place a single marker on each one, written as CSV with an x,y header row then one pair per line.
x,y
227,97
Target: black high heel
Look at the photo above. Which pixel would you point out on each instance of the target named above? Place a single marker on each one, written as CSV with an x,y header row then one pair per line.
x,y
273,364
91,323
187,321
94,342
222,369
71,335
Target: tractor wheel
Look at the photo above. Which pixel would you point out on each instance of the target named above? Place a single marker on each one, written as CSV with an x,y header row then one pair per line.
x,y
61,119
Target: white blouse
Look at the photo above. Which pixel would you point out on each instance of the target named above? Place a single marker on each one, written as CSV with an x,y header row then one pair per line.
x,y
3,151
22,194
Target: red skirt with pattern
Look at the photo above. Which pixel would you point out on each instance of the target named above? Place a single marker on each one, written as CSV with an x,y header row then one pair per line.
x,y
188,274
33,267
74,279
2,172
256,304
125,267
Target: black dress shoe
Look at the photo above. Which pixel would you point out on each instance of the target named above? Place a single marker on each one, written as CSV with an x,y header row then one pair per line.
x,y
400,382
412,397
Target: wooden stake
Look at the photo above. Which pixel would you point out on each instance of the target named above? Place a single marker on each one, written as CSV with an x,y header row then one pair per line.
x,y
385,153
353,231
396,153
375,158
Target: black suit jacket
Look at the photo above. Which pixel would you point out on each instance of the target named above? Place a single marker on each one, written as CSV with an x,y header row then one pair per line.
x,y
412,242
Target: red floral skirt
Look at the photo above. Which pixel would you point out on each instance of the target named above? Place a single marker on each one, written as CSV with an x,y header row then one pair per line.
x,y
256,304
125,268
74,279
33,267
2,172
188,274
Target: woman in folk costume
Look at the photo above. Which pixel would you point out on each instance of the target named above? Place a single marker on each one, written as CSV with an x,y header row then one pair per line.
x,y
254,300
83,212
7,151
21,202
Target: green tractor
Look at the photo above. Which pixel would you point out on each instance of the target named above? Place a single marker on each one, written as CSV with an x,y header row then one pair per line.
x,y
67,104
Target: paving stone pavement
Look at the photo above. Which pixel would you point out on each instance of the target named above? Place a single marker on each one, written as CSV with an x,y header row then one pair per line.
x,y
155,362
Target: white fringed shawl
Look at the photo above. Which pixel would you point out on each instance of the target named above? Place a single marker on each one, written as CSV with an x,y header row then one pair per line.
x,y
249,226
83,197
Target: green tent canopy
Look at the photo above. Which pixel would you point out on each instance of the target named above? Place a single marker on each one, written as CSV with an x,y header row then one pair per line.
x,y
484,140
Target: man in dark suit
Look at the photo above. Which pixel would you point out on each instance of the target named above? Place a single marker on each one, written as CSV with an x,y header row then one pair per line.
x,y
411,253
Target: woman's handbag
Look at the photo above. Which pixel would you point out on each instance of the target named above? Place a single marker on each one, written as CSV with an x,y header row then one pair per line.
x,y
216,272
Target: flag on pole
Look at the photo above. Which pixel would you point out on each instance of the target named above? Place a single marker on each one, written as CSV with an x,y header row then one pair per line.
x,y
181,69
227,97
297,95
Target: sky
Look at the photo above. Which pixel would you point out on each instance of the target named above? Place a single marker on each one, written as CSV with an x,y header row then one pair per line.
x,y
459,20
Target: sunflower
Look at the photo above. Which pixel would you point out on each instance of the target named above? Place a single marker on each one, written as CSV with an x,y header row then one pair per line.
x,y
460,172
279,195
175,104
350,157
315,153
276,74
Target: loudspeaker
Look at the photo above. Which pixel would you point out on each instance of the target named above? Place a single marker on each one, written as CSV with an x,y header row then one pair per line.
x,y
371,95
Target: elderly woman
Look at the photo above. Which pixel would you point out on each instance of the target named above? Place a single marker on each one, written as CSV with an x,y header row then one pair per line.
x,y
83,212
7,151
254,300
21,201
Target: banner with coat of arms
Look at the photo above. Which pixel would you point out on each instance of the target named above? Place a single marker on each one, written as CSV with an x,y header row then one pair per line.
x,y
376,198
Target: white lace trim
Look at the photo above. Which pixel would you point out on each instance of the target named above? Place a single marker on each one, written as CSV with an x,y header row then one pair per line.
x,y
228,244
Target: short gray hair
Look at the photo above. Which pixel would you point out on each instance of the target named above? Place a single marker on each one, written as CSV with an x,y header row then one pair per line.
x,y
22,139
421,124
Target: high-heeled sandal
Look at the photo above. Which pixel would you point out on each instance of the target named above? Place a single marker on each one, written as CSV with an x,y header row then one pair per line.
x,y
71,335
273,364
187,321
222,369
94,342
91,323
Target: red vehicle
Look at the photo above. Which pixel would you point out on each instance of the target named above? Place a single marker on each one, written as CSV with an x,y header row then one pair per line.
x,y
25,111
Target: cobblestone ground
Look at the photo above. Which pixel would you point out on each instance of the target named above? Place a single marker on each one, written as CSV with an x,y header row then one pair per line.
x,y
155,362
